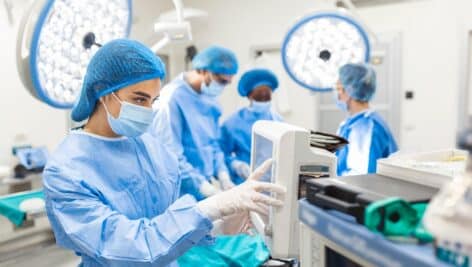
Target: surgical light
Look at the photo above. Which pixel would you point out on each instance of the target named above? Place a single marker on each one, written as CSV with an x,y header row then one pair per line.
x,y
319,44
55,44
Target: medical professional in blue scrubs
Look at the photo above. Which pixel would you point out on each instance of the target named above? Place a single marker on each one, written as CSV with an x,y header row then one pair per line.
x,y
368,134
257,85
188,121
112,190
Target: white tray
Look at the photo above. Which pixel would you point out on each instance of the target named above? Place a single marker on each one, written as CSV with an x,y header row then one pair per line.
x,y
428,168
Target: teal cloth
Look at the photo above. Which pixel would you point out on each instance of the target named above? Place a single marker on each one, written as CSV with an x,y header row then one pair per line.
x,y
228,251
10,205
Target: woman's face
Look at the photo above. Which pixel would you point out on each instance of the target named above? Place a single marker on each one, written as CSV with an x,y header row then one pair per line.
x,y
142,94
262,93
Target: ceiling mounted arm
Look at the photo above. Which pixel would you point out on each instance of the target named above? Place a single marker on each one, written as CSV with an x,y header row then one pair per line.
x,y
347,5
179,9
173,25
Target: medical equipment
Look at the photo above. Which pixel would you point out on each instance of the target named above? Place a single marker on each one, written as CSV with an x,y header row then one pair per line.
x,y
395,217
319,44
414,177
333,239
14,208
294,162
236,133
51,57
174,26
327,141
354,194
32,158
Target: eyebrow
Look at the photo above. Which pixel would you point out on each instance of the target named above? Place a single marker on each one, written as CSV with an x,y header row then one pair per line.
x,y
146,95
142,94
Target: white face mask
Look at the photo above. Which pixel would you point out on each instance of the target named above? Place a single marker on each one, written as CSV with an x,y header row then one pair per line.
x,y
214,89
260,107
132,121
340,104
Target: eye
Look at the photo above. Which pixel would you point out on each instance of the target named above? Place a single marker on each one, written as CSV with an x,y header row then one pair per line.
x,y
140,100
223,81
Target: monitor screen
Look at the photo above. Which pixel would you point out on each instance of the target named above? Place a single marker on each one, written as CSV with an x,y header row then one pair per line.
x,y
335,259
263,151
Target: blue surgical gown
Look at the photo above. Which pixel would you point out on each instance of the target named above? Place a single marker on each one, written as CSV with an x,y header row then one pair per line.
x,y
236,135
114,201
369,139
187,122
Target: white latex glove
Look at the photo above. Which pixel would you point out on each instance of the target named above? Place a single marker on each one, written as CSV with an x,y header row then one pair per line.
x,y
214,182
207,189
232,225
225,181
244,197
237,224
241,168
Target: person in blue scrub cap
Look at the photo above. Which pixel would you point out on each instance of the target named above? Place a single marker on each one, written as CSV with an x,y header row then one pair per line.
x,y
112,190
188,119
257,85
368,134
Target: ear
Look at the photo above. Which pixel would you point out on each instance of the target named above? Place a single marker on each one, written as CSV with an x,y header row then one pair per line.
x,y
105,98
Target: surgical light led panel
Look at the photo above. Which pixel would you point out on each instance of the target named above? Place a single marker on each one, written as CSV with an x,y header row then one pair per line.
x,y
318,45
56,57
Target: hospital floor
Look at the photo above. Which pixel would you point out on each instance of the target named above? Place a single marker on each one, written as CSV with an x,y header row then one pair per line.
x,y
24,254
41,255
51,256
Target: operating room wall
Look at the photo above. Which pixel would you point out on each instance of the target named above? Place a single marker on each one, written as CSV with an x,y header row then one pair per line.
x,y
21,115
430,56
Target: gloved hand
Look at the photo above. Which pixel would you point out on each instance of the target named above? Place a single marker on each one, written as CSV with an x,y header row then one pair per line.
x,y
244,197
241,168
225,181
232,225
207,190
214,182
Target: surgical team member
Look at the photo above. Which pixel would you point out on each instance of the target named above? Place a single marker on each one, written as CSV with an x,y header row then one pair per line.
x,y
369,136
257,85
112,192
188,119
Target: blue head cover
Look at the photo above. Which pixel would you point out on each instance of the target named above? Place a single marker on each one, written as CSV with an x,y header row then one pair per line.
x,y
117,64
359,81
255,78
218,60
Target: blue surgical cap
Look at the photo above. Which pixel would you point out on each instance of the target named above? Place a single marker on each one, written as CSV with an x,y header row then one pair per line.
x,y
359,81
255,78
117,64
218,60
